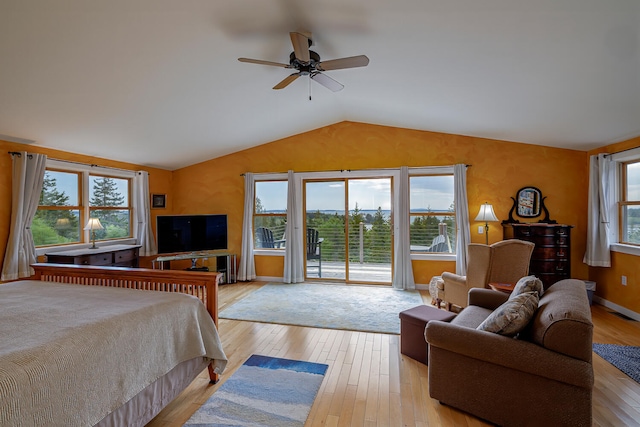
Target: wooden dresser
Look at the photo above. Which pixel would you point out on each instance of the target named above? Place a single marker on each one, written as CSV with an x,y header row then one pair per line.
x,y
551,258
114,256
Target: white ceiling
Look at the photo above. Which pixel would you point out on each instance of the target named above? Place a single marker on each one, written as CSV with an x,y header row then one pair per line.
x,y
157,82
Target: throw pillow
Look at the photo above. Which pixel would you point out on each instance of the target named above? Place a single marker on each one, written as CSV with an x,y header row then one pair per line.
x,y
512,316
528,284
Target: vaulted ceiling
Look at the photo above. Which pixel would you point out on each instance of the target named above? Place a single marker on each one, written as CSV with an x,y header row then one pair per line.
x,y
158,83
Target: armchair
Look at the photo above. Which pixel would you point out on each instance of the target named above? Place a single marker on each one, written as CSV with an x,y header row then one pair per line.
x,y
503,262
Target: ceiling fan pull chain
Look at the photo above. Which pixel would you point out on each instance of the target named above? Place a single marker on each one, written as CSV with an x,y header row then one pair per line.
x,y
309,89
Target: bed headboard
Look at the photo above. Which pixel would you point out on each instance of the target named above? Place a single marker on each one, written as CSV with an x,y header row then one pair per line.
x,y
203,285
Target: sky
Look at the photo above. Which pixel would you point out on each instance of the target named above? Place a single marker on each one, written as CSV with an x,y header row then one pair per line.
x,y
67,182
434,192
633,181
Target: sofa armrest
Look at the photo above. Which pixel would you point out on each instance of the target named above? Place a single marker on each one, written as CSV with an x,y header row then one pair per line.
x,y
487,298
508,352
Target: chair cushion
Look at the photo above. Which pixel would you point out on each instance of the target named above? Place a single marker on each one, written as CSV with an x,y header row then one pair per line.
x,y
512,316
528,284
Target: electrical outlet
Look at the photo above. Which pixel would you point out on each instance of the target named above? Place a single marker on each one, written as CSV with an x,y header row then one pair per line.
x,y
624,280
480,229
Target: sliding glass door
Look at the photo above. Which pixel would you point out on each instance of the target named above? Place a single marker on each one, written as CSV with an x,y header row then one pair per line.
x,y
348,223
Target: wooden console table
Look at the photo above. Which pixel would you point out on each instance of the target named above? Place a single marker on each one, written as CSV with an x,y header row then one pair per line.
x,y
113,256
225,263
507,288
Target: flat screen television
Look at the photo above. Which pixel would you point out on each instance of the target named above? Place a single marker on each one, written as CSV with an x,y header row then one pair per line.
x,y
191,233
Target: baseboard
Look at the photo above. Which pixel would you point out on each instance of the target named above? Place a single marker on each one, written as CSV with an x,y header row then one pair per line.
x,y
620,309
269,279
422,286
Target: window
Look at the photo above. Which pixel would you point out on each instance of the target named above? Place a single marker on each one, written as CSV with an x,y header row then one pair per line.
x,y
630,203
59,215
432,214
70,197
270,214
109,202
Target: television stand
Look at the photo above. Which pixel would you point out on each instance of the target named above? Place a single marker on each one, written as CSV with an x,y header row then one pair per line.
x,y
225,263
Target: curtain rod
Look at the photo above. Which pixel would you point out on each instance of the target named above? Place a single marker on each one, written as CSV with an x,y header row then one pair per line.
x,y
347,170
93,165
621,151
19,154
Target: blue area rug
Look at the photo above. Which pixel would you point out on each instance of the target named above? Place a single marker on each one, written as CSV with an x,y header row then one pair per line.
x,y
265,391
354,308
624,357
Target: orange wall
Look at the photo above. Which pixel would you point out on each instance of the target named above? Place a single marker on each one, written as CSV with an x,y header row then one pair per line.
x,y
499,169
159,182
609,280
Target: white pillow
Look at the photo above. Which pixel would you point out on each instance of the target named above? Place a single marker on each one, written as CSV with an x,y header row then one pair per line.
x,y
512,316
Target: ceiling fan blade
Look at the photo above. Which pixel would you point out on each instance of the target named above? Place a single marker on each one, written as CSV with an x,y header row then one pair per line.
x,y
337,64
287,81
327,82
261,62
300,44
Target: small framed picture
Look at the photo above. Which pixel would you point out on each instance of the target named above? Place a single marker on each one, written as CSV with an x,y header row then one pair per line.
x,y
158,200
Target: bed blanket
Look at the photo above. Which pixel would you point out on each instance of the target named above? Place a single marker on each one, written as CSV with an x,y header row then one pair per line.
x,y
71,354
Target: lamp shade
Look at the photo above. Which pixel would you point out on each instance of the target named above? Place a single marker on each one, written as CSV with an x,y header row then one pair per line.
x,y
62,223
486,213
93,224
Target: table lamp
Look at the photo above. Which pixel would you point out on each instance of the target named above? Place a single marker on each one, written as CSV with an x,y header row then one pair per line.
x,y
93,224
486,215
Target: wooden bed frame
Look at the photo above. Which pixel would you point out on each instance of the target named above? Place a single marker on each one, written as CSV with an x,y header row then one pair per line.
x,y
203,285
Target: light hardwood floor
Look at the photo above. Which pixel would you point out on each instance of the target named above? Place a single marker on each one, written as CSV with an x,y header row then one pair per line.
x,y
370,383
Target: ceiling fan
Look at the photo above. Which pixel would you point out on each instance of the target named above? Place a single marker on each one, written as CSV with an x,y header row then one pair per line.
x,y
307,63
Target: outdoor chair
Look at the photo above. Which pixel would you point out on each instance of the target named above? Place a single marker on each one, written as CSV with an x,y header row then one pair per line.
x,y
264,238
440,243
314,249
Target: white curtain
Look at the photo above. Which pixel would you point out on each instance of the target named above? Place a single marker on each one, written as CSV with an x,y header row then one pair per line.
x,y
247,270
463,234
293,253
599,218
403,271
144,232
26,185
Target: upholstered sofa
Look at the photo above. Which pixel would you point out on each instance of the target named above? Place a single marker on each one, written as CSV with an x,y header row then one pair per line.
x,y
543,376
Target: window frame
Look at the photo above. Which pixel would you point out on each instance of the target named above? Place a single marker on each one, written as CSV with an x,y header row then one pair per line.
x,y
620,158
128,207
623,201
266,215
85,171
78,207
434,214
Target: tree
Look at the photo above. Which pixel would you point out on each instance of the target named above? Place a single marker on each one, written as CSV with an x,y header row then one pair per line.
x,y
50,196
54,222
355,218
105,194
378,241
